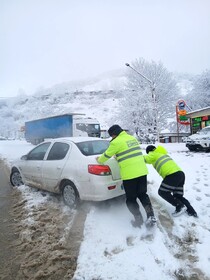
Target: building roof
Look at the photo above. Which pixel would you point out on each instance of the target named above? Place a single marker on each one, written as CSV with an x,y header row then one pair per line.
x,y
199,113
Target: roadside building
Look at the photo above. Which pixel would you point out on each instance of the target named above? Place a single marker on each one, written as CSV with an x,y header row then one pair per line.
x,y
199,119
172,137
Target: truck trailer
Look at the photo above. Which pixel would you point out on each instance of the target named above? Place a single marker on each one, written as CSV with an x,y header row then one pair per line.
x,y
67,125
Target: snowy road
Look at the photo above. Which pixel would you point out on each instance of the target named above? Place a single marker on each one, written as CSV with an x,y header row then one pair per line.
x,y
112,248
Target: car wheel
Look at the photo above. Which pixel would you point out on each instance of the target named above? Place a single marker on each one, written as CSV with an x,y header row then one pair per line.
x,y
15,178
70,194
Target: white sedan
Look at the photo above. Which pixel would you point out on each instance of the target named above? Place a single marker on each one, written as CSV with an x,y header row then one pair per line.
x,y
68,166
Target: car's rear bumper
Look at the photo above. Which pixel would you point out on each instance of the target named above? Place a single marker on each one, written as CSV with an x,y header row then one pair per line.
x,y
102,191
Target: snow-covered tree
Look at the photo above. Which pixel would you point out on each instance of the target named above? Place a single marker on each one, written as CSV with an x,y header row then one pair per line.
x,y
148,99
199,97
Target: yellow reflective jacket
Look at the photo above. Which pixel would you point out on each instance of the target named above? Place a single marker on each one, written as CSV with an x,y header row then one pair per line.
x,y
128,154
162,162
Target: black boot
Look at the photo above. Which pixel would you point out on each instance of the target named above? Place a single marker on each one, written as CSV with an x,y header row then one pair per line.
x,y
151,221
180,208
138,222
191,212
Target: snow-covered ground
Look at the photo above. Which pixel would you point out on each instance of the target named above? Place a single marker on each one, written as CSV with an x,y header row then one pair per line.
x,y
176,249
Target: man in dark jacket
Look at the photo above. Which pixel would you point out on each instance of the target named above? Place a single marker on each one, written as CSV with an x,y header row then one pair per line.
x,y
172,186
133,172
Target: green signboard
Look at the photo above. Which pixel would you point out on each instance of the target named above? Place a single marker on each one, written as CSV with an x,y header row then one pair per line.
x,y
197,120
196,124
183,118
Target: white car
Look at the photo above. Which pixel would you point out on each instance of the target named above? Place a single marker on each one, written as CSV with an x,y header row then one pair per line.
x,y
199,141
68,166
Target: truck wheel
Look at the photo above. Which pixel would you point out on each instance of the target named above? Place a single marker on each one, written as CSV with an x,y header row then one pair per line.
x,y
70,194
15,178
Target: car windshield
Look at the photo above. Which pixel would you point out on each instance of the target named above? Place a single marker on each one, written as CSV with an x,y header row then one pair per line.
x,y
87,127
90,148
205,131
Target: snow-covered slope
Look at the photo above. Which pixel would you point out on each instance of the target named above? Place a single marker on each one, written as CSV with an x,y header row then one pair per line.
x,y
97,98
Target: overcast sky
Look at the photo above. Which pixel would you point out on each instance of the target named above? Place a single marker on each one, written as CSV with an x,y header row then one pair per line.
x,y
45,42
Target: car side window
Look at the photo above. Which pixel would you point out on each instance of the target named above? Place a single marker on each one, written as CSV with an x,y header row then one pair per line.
x,y
58,151
39,152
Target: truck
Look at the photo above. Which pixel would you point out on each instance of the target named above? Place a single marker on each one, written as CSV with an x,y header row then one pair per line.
x,y
200,141
66,125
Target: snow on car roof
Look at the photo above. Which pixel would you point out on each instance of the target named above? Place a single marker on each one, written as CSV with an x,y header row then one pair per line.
x,y
76,139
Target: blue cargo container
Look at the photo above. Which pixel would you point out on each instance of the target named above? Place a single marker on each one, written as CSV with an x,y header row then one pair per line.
x,y
53,127
37,131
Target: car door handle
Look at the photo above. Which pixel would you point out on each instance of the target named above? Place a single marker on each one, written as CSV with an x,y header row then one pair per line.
x,y
38,167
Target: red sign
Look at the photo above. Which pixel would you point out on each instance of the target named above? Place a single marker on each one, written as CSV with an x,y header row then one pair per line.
x,y
181,112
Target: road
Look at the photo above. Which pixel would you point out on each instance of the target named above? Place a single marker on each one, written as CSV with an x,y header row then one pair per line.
x,y
37,243
7,233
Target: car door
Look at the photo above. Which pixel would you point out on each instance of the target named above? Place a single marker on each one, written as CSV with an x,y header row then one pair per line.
x,y
53,166
32,167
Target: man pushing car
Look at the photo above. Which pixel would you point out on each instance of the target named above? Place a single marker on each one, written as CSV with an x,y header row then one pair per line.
x,y
133,172
172,186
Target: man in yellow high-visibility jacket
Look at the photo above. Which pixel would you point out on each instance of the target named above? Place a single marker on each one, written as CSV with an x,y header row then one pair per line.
x,y
133,172
172,186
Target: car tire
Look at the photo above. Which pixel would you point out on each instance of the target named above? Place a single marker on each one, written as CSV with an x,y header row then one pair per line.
x,y
70,194
15,178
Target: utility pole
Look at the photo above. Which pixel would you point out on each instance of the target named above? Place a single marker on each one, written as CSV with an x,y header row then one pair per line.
x,y
152,87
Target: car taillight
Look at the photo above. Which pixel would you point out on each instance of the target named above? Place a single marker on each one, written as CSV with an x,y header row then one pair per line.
x,y
111,187
97,169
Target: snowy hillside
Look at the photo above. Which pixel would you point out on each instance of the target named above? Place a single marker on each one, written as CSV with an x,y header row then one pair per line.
x,y
184,82
97,98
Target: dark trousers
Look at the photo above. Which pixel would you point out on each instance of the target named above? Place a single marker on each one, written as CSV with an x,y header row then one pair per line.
x,y
172,189
137,188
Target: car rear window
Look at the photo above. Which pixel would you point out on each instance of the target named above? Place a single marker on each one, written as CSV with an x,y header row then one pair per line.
x,y
90,148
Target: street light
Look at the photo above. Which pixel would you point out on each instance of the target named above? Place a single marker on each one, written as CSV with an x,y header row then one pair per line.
x,y
152,87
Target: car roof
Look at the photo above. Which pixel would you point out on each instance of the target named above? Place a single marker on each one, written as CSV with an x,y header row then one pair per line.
x,y
76,139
